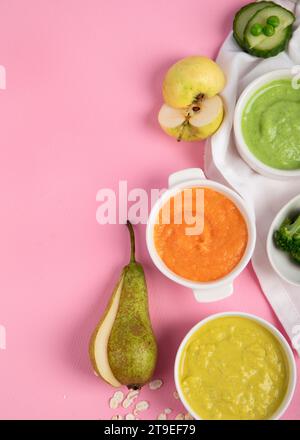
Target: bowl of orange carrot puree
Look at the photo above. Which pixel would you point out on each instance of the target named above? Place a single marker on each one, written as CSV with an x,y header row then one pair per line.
x,y
200,234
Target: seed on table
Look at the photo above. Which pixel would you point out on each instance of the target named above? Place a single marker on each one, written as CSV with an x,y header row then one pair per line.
x,y
167,411
162,416
188,416
132,395
119,396
142,406
175,395
155,384
130,416
113,403
127,403
179,416
117,417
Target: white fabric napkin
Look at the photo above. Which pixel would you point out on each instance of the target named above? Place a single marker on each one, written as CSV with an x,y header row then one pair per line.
x,y
266,196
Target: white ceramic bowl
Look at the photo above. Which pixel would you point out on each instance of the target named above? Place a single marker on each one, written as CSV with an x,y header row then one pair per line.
x,y
280,261
242,147
284,344
210,291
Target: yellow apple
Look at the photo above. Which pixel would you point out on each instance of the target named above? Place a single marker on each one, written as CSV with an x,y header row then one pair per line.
x,y
190,78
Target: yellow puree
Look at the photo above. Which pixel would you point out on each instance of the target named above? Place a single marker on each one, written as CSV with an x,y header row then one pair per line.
x,y
233,368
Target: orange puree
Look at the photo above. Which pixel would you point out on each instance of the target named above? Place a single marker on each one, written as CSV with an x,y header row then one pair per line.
x,y
211,254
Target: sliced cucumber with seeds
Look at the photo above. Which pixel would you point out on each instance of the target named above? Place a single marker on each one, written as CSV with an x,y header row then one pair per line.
x,y
266,46
243,16
272,46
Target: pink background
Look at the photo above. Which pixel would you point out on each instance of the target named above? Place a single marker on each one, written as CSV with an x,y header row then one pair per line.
x,y
79,114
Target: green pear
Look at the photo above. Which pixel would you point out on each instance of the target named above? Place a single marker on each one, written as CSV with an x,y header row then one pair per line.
x,y
123,348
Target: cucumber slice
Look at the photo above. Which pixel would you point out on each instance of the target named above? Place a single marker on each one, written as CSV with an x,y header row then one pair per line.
x,y
273,45
243,16
278,40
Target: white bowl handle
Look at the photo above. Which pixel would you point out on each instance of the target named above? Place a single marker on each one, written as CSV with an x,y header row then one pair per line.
x,y
185,175
213,294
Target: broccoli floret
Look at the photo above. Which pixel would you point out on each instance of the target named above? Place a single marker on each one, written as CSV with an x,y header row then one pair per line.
x,y
288,235
295,254
295,245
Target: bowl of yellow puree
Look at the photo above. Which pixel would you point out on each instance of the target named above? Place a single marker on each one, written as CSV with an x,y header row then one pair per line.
x,y
235,366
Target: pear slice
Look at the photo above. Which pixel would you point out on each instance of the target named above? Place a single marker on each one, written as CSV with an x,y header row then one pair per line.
x,y
197,122
99,340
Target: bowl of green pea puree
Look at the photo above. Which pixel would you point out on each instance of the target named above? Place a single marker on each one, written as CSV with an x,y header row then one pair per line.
x,y
267,124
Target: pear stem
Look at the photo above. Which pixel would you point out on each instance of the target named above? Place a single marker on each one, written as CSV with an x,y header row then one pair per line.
x,y
132,242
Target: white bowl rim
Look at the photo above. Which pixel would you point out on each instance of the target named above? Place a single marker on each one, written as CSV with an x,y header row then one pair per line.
x,y
241,145
281,339
243,208
270,240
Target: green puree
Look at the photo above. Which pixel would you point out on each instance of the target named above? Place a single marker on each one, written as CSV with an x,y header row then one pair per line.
x,y
271,125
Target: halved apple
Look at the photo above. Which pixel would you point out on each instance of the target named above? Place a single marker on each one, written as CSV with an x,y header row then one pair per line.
x,y
197,122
